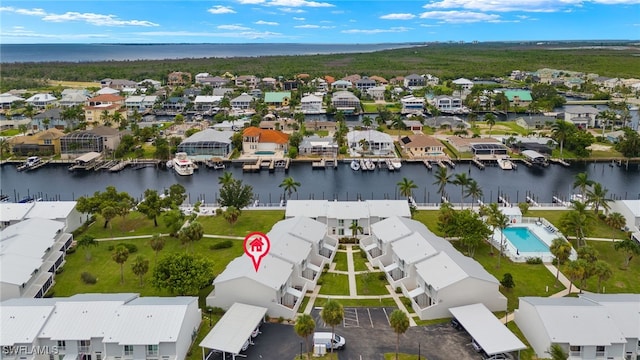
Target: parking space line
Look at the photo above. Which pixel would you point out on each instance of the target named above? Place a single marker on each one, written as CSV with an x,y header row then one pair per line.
x,y
370,319
351,318
387,316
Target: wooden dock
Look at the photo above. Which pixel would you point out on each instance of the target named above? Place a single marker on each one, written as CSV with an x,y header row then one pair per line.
x,y
441,164
477,163
427,164
119,166
449,163
251,166
560,161
526,162
319,165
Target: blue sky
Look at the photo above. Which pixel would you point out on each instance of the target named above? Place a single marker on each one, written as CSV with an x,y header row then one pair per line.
x,y
307,21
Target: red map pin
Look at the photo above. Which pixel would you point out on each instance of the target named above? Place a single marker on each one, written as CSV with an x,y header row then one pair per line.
x,y
256,246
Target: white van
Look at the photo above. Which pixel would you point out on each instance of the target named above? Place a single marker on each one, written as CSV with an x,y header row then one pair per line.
x,y
324,338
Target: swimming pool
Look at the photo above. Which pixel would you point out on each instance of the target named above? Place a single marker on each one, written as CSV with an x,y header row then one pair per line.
x,y
524,240
265,152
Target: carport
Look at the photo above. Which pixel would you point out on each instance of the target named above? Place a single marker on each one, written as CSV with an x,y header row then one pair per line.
x,y
234,328
492,335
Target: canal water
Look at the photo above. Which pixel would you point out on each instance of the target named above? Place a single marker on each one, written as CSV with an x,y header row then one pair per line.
x,y
56,182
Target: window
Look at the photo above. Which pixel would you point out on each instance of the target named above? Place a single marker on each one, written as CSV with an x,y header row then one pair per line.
x,y
84,345
152,350
98,355
128,350
575,350
62,345
600,350
341,222
47,141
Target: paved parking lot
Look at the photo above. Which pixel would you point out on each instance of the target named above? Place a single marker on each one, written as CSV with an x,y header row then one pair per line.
x,y
371,318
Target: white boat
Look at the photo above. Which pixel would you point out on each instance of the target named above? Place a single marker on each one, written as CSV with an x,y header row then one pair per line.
x,y
397,164
370,165
355,165
505,164
182,165
32,162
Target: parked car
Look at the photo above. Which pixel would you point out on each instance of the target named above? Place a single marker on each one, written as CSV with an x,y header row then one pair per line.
x,y
336,342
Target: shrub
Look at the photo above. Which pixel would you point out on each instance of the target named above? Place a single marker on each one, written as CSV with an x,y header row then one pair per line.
x,y
217,310
222,245
363,254
507,281
59,270
382,276
131,247
88,278
280,319
71,250
398,290
219,212
534,260
320,282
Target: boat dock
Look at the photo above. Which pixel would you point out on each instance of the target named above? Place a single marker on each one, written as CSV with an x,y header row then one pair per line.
x,y
321,164
251,166
119,166
450,163
560,161
477,163
270,163
34,166
427,164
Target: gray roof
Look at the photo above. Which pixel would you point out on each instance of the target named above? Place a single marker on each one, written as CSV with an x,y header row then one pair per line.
x,y
347,209
54,113
623,308
580,109
303,228
234,328
273,272
575,321
21,324
210,135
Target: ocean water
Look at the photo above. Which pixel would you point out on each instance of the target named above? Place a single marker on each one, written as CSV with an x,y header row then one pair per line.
x,y
11,53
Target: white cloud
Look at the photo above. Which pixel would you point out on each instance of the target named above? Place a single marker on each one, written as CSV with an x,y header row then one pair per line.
x,y
429,25
456,17
522,5
312,26
253,2
270,23
96,19
298,18
20,33
252,35
292,11
298,3
32,12
376,31
219,9
233,27
397,16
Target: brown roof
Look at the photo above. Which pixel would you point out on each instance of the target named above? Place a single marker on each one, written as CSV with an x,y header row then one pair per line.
x,y
106,98
462,141
422,140
378,79
104,130
51,134
266,136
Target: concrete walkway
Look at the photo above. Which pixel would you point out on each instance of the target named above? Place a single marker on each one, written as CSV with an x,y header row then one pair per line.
x,y
353,289
135,237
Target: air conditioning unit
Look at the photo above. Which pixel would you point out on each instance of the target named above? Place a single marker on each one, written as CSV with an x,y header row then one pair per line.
x,y
319,349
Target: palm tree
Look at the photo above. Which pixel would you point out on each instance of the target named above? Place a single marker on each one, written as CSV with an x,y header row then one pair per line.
x,y
332,314
630,248
304,327
463,181
582,182
574,271
616,221
289,185
561,250
140,267
560,131
498,220
406,187
602,270
397,123
157,244
442,179
491,120
226,179
576,223
231,215
120,256
191,233
355,228
400,323
557,352
598,197
105,118
367,121
87,241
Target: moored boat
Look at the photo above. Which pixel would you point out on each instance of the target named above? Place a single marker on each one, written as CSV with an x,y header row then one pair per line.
x,y
355,165
397,164
31,163
182,164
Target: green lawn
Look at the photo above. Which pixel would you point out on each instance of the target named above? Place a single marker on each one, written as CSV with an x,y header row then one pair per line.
x,y
369,284
108,272
10,132
359,259
334,284
599,229
430,219
528,353
249,221
386,302
134,224
341,261
530,280
403,356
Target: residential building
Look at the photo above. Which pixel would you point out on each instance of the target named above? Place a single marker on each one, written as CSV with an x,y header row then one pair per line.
x,y
431,79
518,98
231,125
451,122
290,85
249,81
630,209
213,81
342,85
464,84
316,125
73,97
584,329
345,101
140,102
176,104
200,77
320,84
378,143
104,326
352,78
339,215
318,146
311,104
207,143
206,102
98,139
269,82
97,107
222,91
243,101
582,116
118,84
413,125
428,269
44,143
277,99
422,145
414,81
379,80
7,99
30,252
40,101
377,92
412,104
178,78
364,84
62,211
50,118
462,144
256,140
107,91
147,83
448,104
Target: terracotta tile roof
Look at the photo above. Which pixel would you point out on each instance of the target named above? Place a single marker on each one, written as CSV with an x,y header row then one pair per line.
x,y
329,79
266,136
422,141
106,98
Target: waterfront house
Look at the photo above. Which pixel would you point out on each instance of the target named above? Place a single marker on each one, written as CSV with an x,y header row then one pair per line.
x,y
277,99
464,144
206,102
451,122
201,78
207,143
421,145
464,84
582,116
222,91
320,84
249,81
107,91
273,286
345,101
7,99
377,92
243,101
40,101
428,269
98,139
178,78
105,326
379,80
342,85
175,104
447,103
413,81
318,146
30,252
268,82
290,85
413,125
44,143
364,84
584,329
256,140
378,143
50,118
311,104
148,83
339,215
518,98
412,104
73,97
231,125
100,109
140,102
